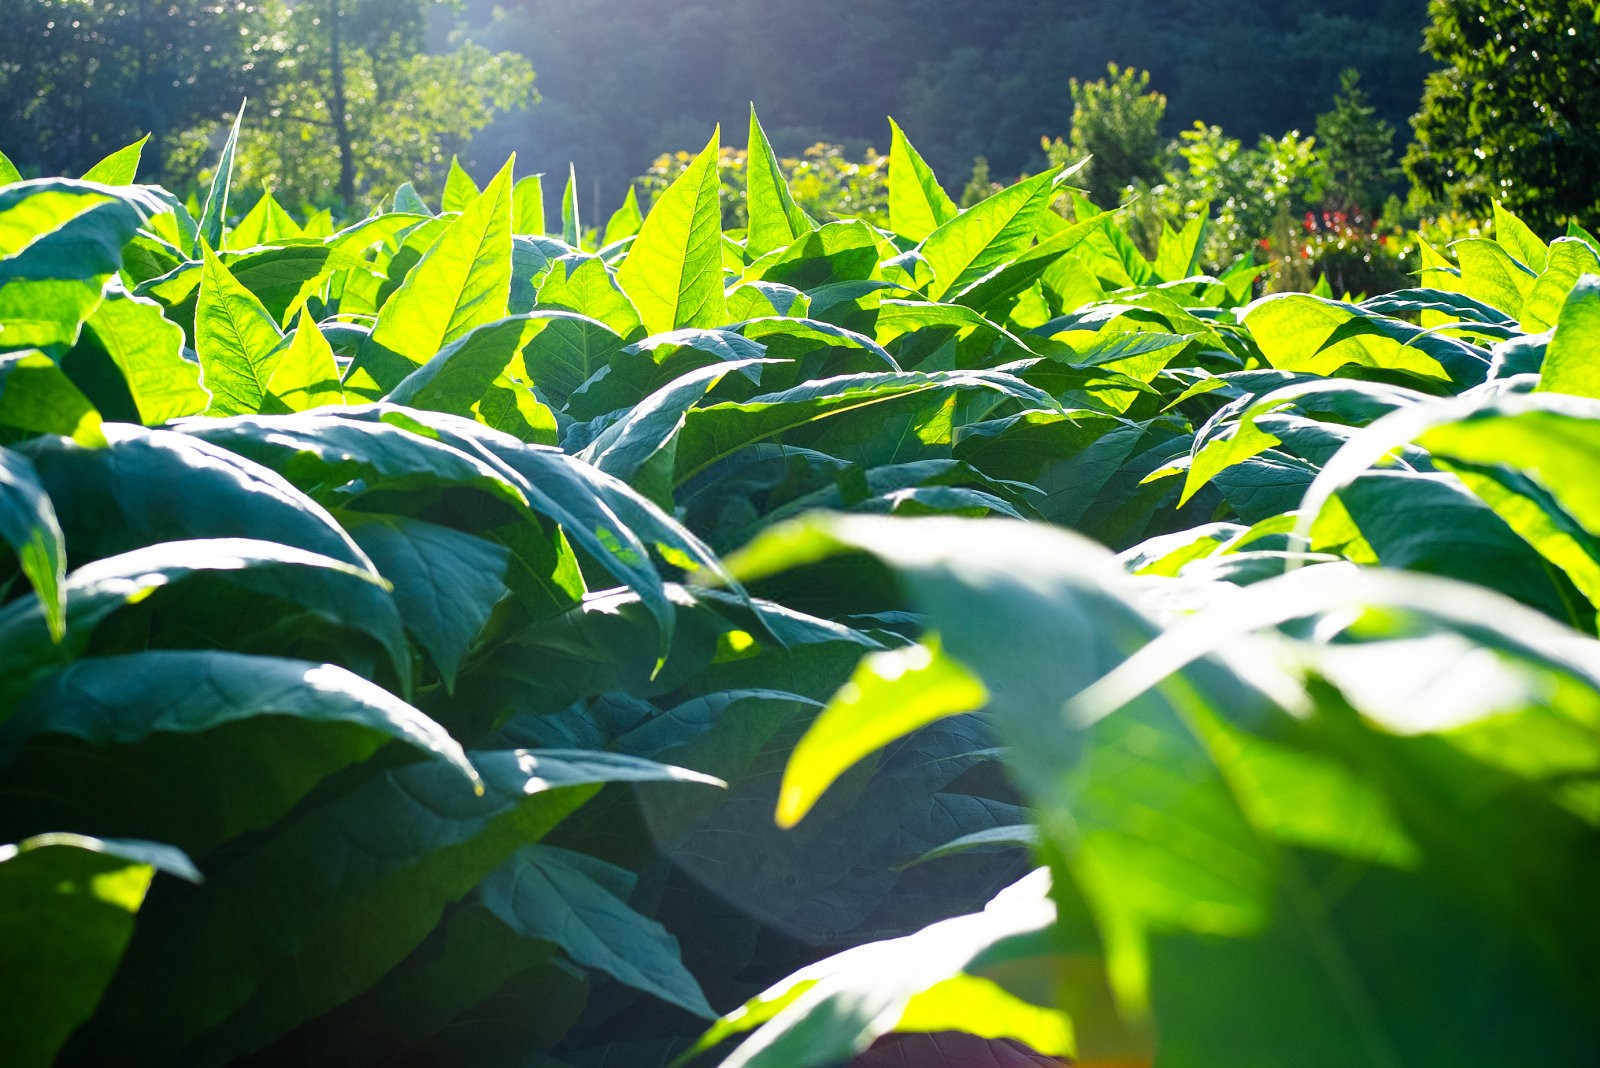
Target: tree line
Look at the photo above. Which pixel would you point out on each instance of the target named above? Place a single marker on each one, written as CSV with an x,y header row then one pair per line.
x,y
1505,97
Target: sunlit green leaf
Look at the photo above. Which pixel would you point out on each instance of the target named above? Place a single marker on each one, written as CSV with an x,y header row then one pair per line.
x,y
236,339
673,272
119,168
214,216
775,219
891,694
918,204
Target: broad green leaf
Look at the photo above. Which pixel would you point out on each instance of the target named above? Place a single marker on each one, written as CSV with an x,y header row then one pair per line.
x,y
409,201
463,281
305,374
565,897
35,396
1168,783
1537,516
967,247
585,284
775,219
1553,440
601,515
756,300
891,694
936,979
319,225
116,700
236,339
1299,332
571,224
8,171
935,484
635,371
918,204
644,437
1030,266
333,871
330,447
673,272
69,900
1574,230
281,278
1220,453
33,210
1178,255
28,524
568,353
1569,260
73,234
459,188
898,318
1572,361
446,583
1454,307
844,251
265,224
459,376
1489,274
512,405
606,518
94,591
214,216
151,486
119,168
146,351
718,430
527,206
1521,243
625,221
1426,522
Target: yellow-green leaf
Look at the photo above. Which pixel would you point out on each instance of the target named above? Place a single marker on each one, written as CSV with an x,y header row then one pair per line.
x,y
119,168
775,219
527,205
459,188
625,221
462,282
1572,362
891,694
673,272
918,204
306,376
236,339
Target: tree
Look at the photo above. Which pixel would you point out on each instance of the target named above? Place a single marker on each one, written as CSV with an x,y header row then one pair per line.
x,y
1245,191
1357,150
980,186
1514,114
81,78
1117,121
354,72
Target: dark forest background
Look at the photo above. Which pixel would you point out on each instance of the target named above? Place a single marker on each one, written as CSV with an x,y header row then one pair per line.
x,y
619,82
623,80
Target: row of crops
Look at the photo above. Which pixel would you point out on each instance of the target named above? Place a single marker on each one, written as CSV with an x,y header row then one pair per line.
x,y
436,641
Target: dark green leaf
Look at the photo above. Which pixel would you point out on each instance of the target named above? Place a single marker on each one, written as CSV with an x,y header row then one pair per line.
x,y
554,894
